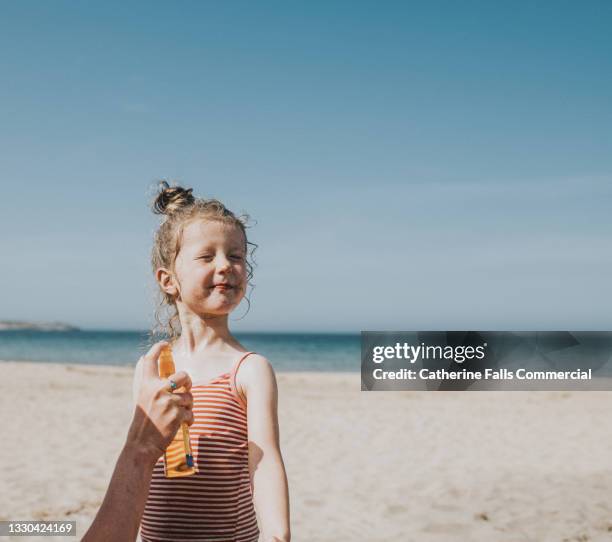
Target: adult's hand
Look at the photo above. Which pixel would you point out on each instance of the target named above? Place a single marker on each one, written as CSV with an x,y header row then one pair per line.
x,y
159,411
157,417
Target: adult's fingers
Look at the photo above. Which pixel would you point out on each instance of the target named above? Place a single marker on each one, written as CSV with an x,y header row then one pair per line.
x,y
150,359
187,416
180,379
182,399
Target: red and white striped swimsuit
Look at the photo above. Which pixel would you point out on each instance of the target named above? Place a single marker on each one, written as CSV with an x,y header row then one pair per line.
x,y
216,503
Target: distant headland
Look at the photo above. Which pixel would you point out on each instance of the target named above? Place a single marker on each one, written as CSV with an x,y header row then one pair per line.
x,y
36,326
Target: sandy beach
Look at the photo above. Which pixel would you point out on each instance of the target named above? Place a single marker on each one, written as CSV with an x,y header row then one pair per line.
x,y
362,466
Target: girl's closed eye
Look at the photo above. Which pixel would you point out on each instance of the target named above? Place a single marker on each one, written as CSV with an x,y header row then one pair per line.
x,y
210,257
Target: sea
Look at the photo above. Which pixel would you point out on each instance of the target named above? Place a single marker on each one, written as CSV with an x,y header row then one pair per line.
x,y
286,351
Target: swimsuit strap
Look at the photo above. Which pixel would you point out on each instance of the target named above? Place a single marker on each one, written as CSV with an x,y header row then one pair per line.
x,y
233,386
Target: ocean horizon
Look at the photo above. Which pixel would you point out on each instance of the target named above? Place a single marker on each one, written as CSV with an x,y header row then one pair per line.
x,y
287,351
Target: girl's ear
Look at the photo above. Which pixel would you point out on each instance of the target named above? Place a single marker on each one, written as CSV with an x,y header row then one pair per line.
x,y
166,281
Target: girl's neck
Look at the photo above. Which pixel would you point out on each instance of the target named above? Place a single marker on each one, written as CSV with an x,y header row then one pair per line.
x,y
199,333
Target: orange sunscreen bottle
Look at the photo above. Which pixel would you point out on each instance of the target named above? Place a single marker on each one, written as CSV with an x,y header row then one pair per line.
x,y
178,459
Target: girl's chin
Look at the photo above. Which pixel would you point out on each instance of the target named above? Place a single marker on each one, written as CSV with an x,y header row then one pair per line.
x,y
215,305
219,308
213,312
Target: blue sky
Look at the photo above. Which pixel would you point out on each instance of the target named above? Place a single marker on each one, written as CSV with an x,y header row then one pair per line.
x,y
410,165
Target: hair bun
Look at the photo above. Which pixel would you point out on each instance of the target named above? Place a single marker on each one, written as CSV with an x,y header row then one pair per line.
x,y
171,198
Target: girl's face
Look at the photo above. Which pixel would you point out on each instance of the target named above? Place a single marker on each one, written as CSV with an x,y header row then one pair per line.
x,y
211,267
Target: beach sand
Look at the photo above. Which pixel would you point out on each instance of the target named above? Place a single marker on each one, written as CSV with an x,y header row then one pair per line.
x,y
362,466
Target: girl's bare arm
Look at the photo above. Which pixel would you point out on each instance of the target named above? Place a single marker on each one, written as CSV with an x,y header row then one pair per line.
x,y
268,476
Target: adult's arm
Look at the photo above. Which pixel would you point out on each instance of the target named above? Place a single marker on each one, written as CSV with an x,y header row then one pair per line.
x,y
157,417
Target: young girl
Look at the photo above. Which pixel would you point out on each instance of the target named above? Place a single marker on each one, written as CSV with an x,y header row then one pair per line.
x,y
200,263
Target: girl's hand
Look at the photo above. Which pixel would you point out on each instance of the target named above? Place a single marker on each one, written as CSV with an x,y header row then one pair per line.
x,y
159,412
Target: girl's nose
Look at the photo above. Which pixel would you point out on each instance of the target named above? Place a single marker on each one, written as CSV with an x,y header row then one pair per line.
x,y
223,263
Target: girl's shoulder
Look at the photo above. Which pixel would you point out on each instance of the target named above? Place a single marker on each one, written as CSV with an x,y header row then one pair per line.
x,y
255,366
255,373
